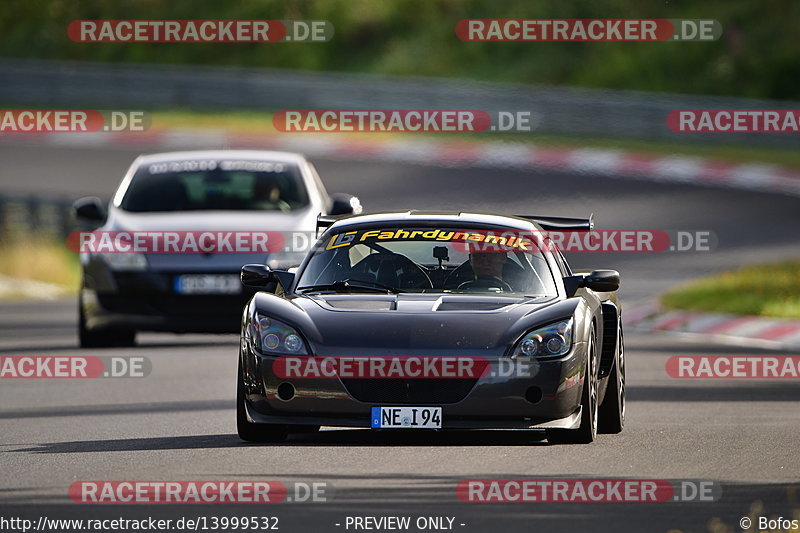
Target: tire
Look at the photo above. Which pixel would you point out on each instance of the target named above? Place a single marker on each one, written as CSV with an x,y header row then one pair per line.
x,y
249,431
587,431
102,339
612,411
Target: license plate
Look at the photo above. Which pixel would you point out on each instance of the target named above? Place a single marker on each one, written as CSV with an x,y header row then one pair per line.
x,y
407,417
208,284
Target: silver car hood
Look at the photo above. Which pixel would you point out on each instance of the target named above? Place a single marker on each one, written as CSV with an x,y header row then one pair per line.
x,y
301,221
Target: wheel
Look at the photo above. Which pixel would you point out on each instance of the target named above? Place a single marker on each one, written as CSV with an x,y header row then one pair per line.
x,y
102,339
587,431
612,411
250,431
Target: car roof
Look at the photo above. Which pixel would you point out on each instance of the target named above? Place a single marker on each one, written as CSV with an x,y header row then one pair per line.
x,y
406,218
257,155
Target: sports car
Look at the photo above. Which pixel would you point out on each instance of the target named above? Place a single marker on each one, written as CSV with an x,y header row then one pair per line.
x,y
437,321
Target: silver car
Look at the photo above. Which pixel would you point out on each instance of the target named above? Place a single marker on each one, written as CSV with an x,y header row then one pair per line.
x,y
139,283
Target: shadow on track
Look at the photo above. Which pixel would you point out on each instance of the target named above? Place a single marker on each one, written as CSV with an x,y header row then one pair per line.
x,y
120,409
350,437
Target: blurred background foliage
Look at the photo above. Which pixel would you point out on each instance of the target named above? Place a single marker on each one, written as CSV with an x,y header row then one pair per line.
x,y
758,54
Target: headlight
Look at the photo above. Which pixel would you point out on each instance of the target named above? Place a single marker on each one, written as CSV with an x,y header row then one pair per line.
x,y
272,336
548,341
125,261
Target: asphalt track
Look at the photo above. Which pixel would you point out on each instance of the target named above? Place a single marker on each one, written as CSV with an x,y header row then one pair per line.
x,y
178,423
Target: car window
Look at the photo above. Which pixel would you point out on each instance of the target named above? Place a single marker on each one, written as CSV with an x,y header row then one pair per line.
x,y
216,185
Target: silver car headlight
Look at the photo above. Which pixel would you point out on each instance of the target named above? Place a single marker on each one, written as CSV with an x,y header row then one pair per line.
x,y
128,262
547,341
272,336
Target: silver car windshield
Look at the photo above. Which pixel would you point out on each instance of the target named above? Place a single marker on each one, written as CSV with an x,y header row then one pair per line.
x,y
216,185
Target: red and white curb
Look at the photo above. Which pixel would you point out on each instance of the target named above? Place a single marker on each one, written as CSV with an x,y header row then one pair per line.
x,y
650,317
449,153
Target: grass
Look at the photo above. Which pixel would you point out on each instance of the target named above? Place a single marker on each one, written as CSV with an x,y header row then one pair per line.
x,y
261,122
37,259
769,290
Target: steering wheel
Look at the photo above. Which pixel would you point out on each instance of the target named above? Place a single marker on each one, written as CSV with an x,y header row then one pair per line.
x,y
411,274
485,282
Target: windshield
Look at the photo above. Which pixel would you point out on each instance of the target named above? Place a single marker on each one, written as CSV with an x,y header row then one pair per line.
x,y
429,260
199,185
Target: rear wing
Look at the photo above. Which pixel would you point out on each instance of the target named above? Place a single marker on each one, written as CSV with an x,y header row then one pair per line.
x,y
562,223
547,223
326,221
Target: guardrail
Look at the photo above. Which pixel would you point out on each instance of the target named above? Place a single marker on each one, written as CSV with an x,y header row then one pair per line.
x,y
555,110
24,216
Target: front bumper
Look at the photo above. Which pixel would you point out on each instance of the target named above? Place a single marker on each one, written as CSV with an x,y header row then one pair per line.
x,y
146,301
547,395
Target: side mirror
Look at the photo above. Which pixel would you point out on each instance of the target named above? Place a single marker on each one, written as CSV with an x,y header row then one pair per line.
x,y
89,208
602,280
344,204
257,275
263,277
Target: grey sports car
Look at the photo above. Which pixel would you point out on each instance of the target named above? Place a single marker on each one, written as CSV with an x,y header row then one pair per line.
x,y
420,320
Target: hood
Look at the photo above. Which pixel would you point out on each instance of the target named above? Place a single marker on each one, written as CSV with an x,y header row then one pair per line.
x,y
413,324
301,223
300,220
